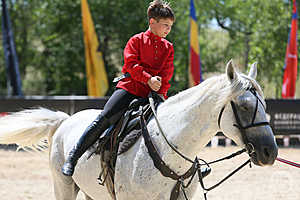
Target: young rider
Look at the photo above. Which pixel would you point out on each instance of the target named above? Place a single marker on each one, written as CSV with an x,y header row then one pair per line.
x,y
148,58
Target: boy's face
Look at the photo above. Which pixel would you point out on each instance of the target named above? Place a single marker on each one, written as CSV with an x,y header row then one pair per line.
x,y
161,27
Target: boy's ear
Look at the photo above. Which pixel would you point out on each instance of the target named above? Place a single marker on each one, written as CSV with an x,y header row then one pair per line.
x,y
152,21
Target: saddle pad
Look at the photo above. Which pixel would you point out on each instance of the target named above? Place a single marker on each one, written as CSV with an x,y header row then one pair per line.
x,y
129,141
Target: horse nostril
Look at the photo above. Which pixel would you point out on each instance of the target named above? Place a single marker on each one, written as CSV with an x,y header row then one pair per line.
x,y
266,152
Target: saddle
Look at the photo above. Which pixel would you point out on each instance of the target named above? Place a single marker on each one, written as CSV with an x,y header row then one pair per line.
x,y
119,138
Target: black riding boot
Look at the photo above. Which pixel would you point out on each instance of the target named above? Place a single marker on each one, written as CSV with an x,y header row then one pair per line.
x,y
89,137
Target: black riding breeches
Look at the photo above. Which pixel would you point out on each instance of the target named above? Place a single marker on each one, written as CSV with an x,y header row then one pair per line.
x,y
117,104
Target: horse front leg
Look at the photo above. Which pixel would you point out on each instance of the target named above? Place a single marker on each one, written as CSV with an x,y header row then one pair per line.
x,y
87,197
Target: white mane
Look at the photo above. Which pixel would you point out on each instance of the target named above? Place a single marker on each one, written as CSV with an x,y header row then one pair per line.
x,y
218,87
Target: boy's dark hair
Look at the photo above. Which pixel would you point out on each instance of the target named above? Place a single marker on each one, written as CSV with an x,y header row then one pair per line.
x,y
159,9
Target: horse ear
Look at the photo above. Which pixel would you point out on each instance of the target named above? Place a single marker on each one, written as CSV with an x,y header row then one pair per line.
x,y
253,71
230,71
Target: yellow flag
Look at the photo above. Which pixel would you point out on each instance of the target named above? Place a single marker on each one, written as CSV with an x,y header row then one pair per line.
x,y
96,75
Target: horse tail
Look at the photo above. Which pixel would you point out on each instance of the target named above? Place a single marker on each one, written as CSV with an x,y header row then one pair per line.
x,y
30,128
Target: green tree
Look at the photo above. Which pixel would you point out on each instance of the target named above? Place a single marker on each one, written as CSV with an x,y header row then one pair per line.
x,y
50,46
258,31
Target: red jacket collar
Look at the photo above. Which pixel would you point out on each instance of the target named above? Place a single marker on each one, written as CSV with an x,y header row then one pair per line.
x,y
152,35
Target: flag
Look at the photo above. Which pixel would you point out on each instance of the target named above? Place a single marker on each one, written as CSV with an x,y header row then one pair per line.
x,y
291,59
10,54
195,76
96,74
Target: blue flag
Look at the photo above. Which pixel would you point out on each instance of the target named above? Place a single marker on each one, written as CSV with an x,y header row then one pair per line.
x,y
11,59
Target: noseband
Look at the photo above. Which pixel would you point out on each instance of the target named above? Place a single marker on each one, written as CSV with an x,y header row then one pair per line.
x,y
248,144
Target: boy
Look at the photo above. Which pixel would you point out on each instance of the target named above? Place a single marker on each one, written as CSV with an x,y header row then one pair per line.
x,y
148,58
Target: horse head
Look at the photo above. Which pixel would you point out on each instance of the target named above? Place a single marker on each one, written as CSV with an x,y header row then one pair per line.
x,y
243,117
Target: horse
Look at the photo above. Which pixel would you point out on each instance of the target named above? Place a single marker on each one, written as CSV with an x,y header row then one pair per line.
x,y
231,103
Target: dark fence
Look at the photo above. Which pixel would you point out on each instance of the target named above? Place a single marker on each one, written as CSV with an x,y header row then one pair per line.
x,y
68,104
284,114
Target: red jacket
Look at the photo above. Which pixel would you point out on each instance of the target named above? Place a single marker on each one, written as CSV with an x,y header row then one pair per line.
x,y
147,55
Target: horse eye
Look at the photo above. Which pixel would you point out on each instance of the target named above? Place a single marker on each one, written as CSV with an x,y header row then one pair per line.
x,y
245,108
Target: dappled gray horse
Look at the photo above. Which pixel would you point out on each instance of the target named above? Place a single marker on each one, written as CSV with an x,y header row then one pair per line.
x,y
232,103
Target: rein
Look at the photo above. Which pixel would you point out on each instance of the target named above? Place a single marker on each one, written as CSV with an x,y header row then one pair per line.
x,y
196,165
288,162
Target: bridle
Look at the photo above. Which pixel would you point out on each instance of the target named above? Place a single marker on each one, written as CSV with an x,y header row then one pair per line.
x,y
196,165
248,145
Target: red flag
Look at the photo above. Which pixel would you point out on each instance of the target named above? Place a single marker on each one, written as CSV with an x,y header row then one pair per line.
x,y
291,60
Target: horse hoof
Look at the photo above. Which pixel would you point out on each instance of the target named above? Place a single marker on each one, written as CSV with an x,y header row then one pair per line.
x,y
205,171
67,169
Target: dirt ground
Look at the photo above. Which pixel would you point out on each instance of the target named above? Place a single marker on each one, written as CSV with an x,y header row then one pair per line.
x,y
26,176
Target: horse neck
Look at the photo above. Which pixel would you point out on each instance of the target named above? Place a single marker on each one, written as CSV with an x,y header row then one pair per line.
x,y
189,119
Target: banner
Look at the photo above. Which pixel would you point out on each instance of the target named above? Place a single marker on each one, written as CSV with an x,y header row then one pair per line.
x,y
291,59
97,82
195,76
284,115
10,54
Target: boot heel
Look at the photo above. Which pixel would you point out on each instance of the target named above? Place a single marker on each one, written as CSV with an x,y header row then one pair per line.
x,y
68,169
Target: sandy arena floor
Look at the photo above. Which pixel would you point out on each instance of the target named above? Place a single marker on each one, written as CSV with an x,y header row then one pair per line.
x,y
26,176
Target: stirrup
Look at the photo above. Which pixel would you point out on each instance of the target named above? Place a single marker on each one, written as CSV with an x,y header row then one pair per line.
x,y
205,171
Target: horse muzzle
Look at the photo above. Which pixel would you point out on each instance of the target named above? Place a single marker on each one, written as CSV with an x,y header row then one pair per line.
x,y
264,155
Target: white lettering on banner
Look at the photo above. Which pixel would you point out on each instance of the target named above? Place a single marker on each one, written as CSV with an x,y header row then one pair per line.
x,y
287,121
287,116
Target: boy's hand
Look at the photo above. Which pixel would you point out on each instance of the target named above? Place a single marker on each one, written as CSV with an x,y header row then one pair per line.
x,y
155,83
